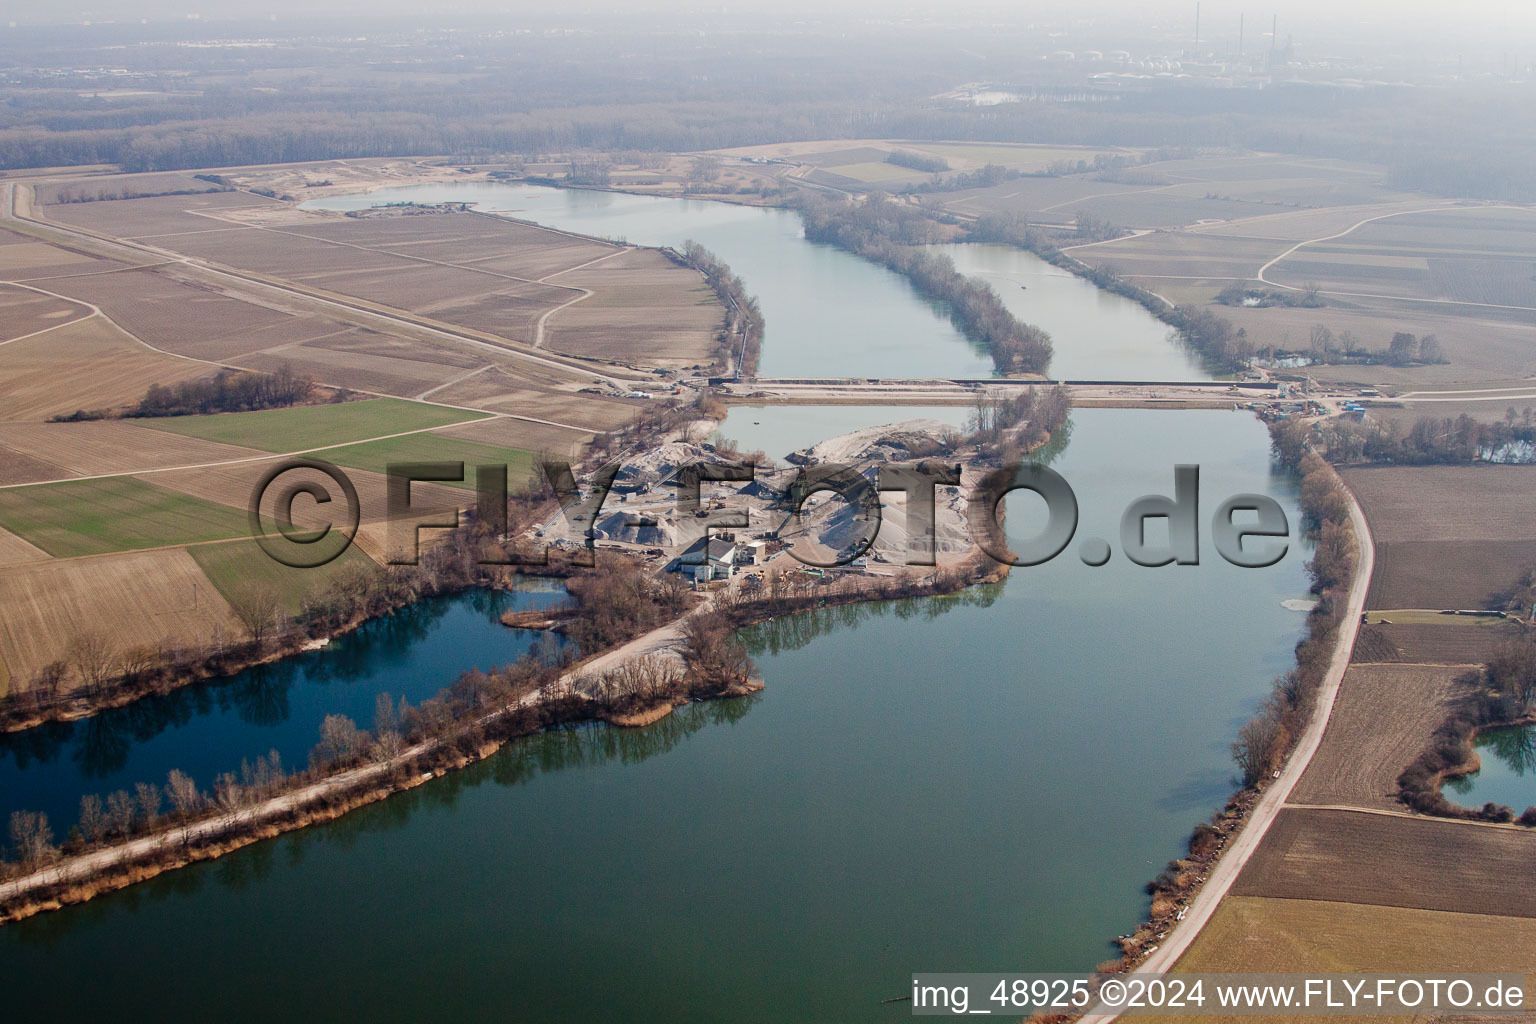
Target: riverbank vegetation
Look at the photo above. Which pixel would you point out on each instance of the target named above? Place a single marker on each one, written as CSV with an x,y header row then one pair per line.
x,y
891,234
1266,740
1500,693
1431,440
740,341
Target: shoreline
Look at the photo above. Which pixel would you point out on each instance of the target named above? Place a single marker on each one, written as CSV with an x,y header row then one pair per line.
x,y
1249,820
83,876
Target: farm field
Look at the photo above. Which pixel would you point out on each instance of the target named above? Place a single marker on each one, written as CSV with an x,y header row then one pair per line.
x,y
129,600
87,365
375,456
506,432
499,391
25,312
369,361
233,486
14,550
1446,537
313,426
90,517
1395,861
146,218
642,304
1445,503
241,568
461,272
1363,750
1478,255
101,447
1447,573
1431,643
1250,933
184,317
1482,344
1176,254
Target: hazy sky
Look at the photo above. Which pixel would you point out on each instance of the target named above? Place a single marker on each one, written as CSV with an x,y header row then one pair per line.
x,y
1495,23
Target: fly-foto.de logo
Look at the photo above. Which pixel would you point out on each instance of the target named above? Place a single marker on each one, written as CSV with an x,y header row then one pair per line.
x,y
1247,530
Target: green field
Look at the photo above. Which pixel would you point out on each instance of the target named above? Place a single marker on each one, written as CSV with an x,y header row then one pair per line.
x,y
92,517
377,455
242,566
312,426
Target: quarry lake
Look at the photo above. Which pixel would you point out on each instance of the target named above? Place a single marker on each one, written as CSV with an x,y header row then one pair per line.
x,y
974,783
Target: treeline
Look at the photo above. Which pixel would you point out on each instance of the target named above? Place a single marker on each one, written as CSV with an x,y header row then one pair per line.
x,y
1264,740
744,316
917,161
1104,167
890,234
1404,349
1431,440
91,669
1088,228
478,710
1499,693
1006,428
225,391
983,177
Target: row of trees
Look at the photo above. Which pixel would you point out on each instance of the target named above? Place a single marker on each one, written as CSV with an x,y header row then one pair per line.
x,y
1404,348
1264,740
1432,440
744,315
890,234
1005,428
917,161
225,391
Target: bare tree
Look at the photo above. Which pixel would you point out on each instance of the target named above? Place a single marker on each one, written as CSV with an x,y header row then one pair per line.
x,y
32,839
1256,748
185,798
49,678
705,168
258,609
120,812
147,799
340,739
91,657
93,818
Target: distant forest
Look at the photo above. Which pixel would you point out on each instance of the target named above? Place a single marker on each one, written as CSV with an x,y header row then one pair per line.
x,y
476,97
